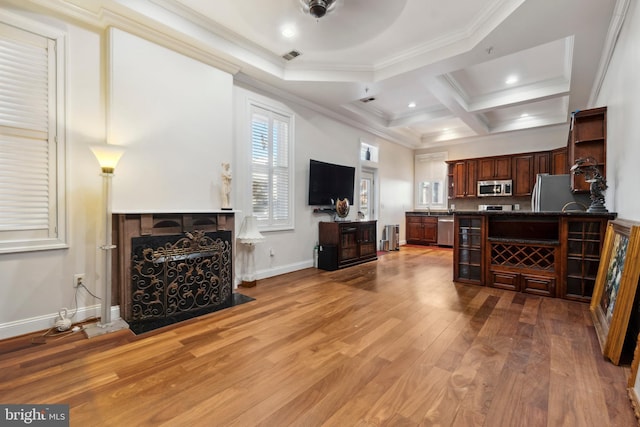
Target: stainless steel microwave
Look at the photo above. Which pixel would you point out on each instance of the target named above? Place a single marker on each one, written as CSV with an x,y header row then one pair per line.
x,y
495,188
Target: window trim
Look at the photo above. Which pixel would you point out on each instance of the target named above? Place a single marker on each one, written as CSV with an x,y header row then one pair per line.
x,y
57,238
251,104
430,157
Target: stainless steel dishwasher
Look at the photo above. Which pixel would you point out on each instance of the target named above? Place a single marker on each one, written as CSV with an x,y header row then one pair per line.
x,y
445,230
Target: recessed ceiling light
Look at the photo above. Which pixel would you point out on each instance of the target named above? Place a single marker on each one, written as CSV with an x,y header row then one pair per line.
x,y
412,105
288,31
524,115
511,80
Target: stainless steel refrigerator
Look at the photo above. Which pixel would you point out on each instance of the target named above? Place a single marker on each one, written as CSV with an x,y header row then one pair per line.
x,y
552,193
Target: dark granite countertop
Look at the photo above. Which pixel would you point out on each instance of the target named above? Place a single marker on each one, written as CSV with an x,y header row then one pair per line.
x,y
427,213
535,214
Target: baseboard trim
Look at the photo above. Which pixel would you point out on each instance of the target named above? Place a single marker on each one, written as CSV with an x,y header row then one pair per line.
x,y
40,323
46,321
289,268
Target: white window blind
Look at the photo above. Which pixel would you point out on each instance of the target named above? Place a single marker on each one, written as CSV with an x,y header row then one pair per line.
x,y
30,211
271,172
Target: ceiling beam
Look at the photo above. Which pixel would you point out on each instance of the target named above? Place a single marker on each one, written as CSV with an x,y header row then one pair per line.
x,y
451,99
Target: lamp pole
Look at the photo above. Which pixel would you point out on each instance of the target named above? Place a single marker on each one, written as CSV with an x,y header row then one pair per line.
x,y
108,157
105,318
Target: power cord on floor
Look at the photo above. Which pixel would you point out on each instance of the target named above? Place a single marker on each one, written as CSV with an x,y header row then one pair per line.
x,y
54,333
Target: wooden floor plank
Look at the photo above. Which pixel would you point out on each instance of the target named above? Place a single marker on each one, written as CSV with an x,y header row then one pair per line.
x,y
392,342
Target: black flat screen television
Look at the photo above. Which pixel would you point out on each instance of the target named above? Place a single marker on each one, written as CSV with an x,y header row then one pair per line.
x,y
329,182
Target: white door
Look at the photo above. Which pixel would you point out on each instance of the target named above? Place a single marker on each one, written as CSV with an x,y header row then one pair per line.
x,y
367,194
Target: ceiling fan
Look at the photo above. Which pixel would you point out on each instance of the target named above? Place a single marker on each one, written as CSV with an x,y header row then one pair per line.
x,y
317,8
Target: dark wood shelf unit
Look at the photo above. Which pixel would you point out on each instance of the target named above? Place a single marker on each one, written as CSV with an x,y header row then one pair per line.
x,y
347,243
588,138
523,253
523,228
582,256
467,255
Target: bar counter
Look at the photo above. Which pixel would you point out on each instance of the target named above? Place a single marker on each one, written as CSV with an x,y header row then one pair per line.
x,y
554,254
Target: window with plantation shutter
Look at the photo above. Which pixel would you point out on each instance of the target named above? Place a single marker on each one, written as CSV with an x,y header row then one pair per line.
x,y
271,171
430,172
31,151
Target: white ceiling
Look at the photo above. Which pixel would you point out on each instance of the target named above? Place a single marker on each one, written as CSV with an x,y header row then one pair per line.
x,y
451,58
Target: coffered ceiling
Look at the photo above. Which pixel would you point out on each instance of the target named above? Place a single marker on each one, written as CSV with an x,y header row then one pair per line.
x,y
433,72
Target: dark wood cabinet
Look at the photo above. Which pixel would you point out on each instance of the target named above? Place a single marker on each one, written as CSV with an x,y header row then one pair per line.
x,y
464,175
525,169
555,255
541,164
522,253
347,243
518,281
491,168
588,138
584,238
523,174
421,229
469,234
559,161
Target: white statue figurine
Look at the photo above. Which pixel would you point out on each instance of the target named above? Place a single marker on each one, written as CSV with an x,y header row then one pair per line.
x,y
226,185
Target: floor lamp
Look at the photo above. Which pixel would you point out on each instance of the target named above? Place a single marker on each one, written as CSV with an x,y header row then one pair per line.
x,y
108,157
249,235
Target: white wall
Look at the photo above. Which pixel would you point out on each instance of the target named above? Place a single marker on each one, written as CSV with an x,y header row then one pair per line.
x,y
317,137
620,93
173,115
539,139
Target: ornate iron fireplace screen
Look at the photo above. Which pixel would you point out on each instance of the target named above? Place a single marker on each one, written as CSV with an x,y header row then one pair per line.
x,y
180,273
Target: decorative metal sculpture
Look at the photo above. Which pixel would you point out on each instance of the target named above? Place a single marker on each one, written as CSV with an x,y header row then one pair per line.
x,y
587,166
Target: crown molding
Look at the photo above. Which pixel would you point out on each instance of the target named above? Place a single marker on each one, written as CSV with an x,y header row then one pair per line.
x,y
100,15
615,26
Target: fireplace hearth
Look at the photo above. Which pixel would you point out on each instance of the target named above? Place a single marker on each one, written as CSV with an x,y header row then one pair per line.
x,y
173,266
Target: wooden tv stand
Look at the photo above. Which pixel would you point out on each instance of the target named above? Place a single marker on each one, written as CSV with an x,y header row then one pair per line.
x,y
346,243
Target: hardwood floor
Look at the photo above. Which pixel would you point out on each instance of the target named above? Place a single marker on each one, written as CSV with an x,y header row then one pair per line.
x,y
393,342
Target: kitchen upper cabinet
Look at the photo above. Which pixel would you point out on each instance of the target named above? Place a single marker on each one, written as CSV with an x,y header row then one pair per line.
x,y
588,138
523,174
491,168
463,175
464,178
559,163
541,163
525,169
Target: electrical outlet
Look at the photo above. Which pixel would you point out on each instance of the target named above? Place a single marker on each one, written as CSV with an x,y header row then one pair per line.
x,y
78,279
